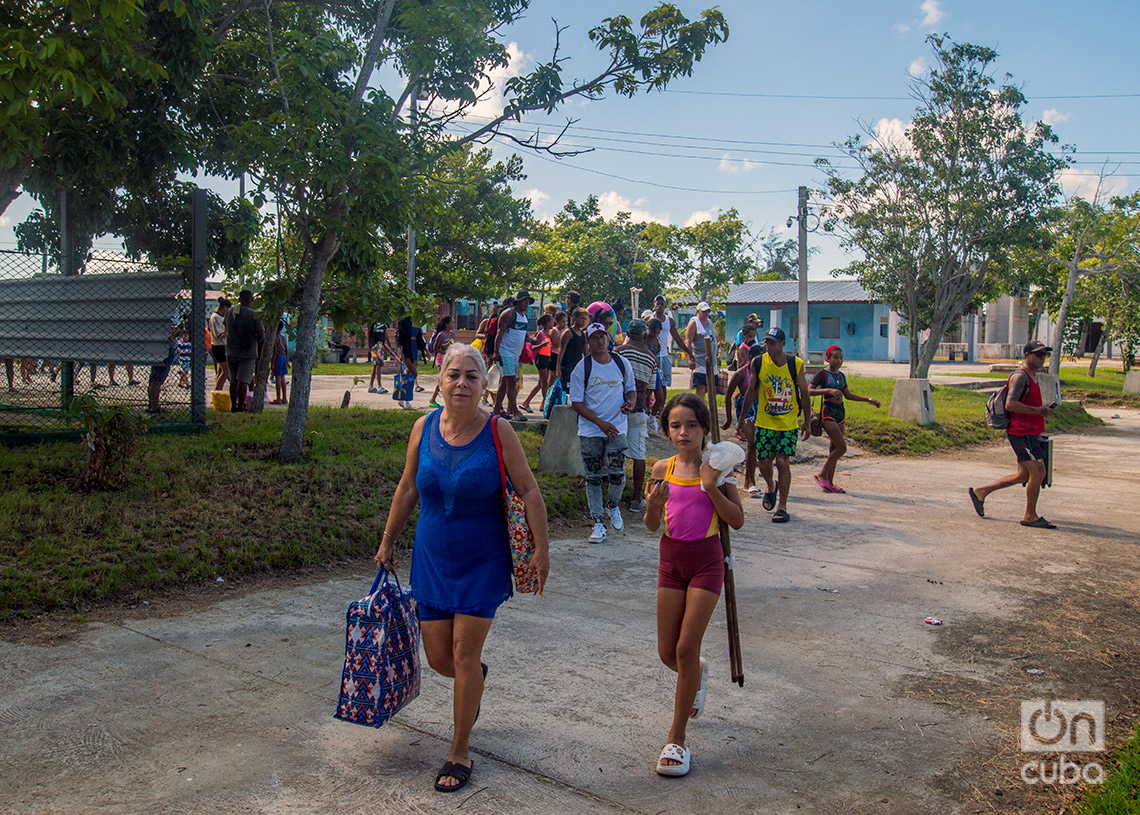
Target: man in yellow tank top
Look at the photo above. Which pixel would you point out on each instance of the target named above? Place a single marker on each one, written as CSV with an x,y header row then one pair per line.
x,y
784,406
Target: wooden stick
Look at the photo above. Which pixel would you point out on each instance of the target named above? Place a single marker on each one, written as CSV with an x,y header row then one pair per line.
x,y
736,664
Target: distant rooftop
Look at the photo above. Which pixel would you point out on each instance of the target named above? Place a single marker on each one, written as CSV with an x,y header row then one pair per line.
x,y
781,292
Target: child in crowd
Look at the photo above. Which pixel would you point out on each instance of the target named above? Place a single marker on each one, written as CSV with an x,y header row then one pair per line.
x,y
831,384
184,350
682,494
280,364
377,352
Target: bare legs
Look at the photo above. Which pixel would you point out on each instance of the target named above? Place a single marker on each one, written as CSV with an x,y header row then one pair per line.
x,y
453,649
838,448
1031,474
682,618
784,476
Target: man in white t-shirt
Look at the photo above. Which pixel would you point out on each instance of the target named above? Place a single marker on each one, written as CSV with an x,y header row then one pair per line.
x,y
603,392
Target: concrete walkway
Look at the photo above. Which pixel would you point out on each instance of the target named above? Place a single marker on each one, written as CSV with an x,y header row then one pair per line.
x,y
228,708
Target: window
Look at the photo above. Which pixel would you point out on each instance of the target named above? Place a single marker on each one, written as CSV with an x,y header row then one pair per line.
x,y
829,328
883,330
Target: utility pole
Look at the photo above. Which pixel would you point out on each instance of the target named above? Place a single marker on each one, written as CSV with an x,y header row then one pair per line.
x,y
801,216
412,229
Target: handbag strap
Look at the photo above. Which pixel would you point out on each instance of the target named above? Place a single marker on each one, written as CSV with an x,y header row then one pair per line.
x,y
499,455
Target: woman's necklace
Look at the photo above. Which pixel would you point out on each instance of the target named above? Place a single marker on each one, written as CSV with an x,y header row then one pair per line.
x,y
478,416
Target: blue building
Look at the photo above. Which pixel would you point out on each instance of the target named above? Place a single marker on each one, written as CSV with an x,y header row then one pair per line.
x,y
840,312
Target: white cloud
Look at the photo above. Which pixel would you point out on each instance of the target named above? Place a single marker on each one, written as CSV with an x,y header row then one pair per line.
x,y
933,14
918,67
1053,116
535,196
891,133
490,90
611,203
727,165
700,216
5,221
900,28
1084,183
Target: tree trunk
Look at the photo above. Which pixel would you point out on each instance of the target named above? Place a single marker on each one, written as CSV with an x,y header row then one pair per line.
x,y
1062,316
293,436
1100,345
10,181
265,365
912,347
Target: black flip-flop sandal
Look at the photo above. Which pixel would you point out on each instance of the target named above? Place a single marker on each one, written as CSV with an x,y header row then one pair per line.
x,y
456,771
781,516
769,500
979,503
1040,523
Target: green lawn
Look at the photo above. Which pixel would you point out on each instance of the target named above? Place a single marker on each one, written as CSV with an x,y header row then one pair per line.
x,y
208,505
960,415
1120,792
1105,390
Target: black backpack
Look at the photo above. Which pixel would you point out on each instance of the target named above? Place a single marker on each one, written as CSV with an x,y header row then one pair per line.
x,y
997,416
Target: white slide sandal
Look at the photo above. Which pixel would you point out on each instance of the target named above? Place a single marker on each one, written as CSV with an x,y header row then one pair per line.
x,y
674,752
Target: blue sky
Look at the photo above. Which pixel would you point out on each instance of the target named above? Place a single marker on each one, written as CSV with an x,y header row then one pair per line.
x,y
753,116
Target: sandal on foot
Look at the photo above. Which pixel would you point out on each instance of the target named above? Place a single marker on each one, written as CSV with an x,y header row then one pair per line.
x,y
824,484
837,490
452,770
754,491
699,699
979,503
1040,523
781,516
769,500
674,752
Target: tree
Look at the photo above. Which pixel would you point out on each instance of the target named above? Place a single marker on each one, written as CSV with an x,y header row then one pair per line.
x,y
778,259
291,99
938,213
705,256
1088,239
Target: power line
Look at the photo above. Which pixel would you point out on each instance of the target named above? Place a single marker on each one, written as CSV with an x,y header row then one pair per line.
x,y
836,98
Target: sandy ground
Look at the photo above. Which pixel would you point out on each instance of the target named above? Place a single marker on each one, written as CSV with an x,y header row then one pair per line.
x,y
851,702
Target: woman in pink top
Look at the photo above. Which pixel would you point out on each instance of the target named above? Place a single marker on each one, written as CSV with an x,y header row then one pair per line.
x,y
682,494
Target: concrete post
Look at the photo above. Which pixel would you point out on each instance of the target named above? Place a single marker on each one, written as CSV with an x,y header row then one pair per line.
x,y
560,451
893,336
1132,381
913,401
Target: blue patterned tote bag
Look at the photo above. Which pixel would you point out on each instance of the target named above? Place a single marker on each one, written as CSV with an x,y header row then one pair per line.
x,y
381,654
403,385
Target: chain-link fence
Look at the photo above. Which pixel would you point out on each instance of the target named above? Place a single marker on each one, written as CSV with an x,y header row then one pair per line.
x,y
117,329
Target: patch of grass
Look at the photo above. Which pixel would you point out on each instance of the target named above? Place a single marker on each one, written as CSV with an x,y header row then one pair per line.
x,y
1104,390
960,415
1120,791
208,505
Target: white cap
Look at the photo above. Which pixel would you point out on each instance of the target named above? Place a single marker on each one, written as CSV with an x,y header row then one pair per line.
x,y
703,306
594,328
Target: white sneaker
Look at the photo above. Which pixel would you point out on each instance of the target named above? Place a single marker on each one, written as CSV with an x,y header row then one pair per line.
x,y
373,390
381,389
599,533
615,519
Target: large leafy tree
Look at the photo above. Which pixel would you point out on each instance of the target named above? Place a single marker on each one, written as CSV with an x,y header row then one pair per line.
x,y
1086,239
938,213
292,99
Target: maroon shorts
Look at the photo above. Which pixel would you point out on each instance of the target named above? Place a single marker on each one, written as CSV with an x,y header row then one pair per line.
x,y
699,564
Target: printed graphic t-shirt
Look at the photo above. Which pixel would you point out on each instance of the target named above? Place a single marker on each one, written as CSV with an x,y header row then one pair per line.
x,y
604,396
776,395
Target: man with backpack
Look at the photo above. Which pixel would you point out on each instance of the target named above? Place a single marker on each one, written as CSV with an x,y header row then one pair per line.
x,y
603,393
1024,421
778,381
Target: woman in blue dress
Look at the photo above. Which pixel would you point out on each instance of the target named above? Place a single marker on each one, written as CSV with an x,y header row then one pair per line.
x,y
461,560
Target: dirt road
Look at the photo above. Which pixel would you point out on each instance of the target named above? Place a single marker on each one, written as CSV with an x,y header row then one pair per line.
x,y
851,702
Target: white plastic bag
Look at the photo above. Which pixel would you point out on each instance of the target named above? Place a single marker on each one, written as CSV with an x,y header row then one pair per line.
x,y
494,377
723,456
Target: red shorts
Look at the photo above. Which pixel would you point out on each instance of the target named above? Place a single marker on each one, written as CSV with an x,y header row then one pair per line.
x,y
699,564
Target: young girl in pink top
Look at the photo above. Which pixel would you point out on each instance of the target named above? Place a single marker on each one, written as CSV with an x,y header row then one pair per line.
x,y
682,494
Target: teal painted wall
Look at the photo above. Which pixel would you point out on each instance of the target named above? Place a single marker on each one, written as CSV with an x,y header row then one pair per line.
x,y
866,342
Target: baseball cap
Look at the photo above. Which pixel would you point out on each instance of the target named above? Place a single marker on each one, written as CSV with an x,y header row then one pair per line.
x,y
1033,347
774,334
594,328
703,306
